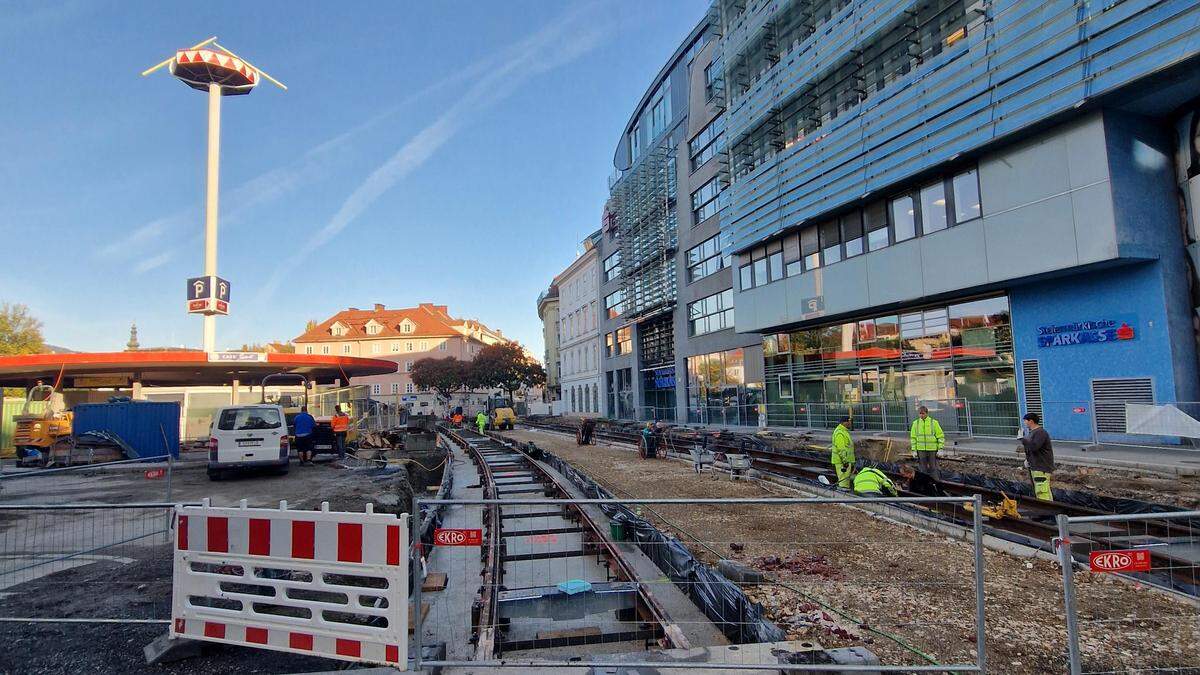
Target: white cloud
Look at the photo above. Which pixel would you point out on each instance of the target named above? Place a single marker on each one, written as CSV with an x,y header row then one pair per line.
x,y
153,262
565,39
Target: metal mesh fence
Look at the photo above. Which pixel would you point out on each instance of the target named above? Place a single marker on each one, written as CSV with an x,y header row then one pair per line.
x,y
1105,629
605,582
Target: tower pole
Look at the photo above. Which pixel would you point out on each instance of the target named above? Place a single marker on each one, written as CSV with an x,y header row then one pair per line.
x,y
210,205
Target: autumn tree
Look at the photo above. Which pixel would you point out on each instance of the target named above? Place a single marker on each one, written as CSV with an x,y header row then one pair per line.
x,y
506,366
20,333
444,376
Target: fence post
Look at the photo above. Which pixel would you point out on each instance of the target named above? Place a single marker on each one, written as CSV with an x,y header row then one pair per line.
x,y
970,421
1063,543
170,473
883,413
980,604
418,579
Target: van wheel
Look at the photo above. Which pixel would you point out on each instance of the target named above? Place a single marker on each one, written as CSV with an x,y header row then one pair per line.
x,y
282,471
215,474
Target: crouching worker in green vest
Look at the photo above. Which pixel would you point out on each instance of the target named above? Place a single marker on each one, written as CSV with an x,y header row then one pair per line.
x,y
842,455
871,482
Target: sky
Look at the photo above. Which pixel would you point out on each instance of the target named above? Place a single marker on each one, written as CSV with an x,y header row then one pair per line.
x,y
446,152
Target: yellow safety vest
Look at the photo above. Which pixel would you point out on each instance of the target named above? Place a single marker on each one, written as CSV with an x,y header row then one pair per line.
x,y
926,435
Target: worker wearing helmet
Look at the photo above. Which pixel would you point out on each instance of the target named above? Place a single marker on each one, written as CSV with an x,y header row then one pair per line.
x,y
842,453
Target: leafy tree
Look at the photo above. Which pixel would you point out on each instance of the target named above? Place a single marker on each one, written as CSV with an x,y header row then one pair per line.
x,y
444,376
20,332
506,366
312,323
275,347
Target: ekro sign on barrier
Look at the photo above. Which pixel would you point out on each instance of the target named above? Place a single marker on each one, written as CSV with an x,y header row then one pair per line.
x,y
457,537
324,583
1133,560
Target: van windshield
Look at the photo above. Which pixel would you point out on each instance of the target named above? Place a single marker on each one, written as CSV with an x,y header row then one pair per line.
x,y
240,419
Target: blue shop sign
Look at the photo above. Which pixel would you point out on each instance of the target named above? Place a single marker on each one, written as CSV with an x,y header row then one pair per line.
x,y
1088,332
663,378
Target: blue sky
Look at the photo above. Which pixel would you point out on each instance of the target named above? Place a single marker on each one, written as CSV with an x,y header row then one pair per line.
x,y
449,152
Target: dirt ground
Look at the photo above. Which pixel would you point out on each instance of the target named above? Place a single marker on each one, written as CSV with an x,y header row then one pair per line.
x,y
133,581
835,562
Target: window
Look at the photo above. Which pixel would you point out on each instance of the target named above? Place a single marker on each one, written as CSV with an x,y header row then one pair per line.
x,y
346,349
608,345
775,265
966,197
706,258
424,345
852,233
442,346
408,346
705,201
707,143
831,242
407,326
324,349
376,389
408,366
246,419
408,387
876,224
904,221
660,114
746,276
376,348
933,208
810,248
612,266
372,328
711,314
635,142
395,347
308,349
624,340
710,78
614,304
785,386
395,387
793,268
337,330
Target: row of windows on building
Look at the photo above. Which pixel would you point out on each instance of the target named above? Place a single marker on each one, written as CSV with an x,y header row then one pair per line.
x,y
612,266
578,321
373,328
711,314
580,359
377,389
377,347
583,399
877,61
706,258
930,208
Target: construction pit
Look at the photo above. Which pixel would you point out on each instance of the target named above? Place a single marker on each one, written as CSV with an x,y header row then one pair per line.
x,y
846,576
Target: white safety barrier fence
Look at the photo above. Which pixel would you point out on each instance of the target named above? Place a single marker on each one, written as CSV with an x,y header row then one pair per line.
x,y
1109,627
323,583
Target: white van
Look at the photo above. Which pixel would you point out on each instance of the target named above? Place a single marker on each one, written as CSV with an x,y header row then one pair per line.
x,y
248,437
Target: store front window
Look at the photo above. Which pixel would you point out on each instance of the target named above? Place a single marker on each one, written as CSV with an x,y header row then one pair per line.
x,y
955,359
718,392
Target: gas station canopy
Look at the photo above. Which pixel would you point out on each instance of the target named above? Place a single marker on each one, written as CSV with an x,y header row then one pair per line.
x,y
179,368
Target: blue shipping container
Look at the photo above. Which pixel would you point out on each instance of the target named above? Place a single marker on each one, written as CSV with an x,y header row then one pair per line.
x,y
151,428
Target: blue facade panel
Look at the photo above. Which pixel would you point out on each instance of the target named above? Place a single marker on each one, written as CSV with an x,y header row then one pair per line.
x,y
1028,62
1132,293
151,428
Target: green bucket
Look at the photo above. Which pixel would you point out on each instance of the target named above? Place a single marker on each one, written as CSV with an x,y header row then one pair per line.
x,y
617,530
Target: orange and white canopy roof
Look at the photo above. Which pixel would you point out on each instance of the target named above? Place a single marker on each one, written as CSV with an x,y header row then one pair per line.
x,y
200,67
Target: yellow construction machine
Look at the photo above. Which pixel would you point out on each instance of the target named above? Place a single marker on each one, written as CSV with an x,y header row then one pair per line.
x,y
43,423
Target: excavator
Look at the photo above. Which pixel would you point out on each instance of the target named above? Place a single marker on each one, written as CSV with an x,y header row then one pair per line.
x,y
43,424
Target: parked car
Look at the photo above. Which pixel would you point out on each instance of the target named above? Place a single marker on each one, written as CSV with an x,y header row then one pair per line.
x,y
246,437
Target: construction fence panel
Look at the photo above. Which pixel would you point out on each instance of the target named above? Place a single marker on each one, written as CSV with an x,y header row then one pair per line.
x,y
85,562
325,583
1098,553
524,581
149,479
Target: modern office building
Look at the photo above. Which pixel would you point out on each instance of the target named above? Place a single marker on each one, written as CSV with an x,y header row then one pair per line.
x,y
579,331
983,206
547,306
666,287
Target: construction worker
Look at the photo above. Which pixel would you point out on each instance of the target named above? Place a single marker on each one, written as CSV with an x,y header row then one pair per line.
x,y
927,439
340,424
303,425
871,482
481,420
843,453
1039,456
648,438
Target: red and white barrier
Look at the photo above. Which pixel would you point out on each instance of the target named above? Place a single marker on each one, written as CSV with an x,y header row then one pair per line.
x,y
325,583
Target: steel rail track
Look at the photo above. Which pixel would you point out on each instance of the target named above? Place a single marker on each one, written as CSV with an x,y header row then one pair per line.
x,y
500,459
1036,528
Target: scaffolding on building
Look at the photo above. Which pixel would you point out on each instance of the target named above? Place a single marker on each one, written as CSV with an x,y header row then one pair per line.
x,y
643,207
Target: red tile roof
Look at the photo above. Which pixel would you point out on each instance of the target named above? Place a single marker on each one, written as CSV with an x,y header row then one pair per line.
x,y
429,320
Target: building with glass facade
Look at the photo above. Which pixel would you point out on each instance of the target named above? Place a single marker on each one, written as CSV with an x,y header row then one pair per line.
x,y
984,206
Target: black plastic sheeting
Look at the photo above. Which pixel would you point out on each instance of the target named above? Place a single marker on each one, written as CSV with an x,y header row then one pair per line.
x,y
722,601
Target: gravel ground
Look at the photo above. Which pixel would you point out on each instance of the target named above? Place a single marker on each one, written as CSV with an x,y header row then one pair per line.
x,y
895,579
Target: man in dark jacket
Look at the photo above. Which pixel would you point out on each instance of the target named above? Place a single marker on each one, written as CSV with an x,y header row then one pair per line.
x,y
1039,456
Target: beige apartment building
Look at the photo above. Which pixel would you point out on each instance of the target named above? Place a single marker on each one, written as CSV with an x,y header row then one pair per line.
x,y
405,336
